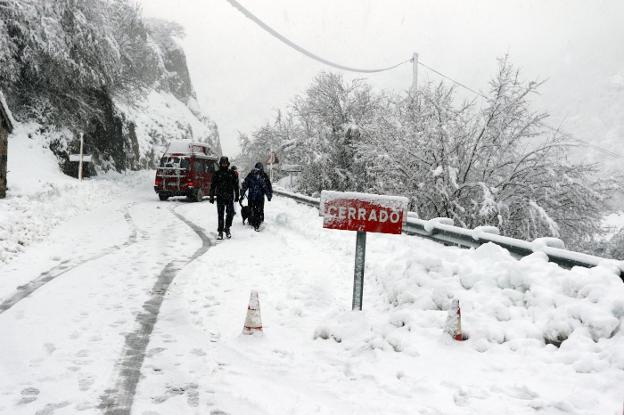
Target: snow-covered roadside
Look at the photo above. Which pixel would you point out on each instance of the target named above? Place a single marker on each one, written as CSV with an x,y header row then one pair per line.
x,y
319,357
41,197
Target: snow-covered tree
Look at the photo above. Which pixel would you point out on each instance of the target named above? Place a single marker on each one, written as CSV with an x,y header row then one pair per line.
x,y
61,57
499,165
331,114
67,64
496,163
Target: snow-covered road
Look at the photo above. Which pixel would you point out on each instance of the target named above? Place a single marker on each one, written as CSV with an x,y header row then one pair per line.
x,y
134,305
72,305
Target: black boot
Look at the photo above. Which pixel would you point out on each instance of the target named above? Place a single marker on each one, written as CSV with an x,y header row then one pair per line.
x,y
220,236
227,233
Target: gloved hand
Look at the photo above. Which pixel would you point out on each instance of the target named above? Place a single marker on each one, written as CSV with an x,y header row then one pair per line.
x,y
212,200
269,197
236,198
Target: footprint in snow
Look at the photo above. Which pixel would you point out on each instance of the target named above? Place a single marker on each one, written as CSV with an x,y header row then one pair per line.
x,y
82,353
85,382
28,395
198,352
154,351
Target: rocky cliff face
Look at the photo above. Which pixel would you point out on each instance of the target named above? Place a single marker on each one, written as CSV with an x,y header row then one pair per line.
x,y
131,135
97,67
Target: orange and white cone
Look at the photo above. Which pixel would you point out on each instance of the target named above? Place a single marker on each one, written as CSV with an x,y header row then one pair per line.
x,y
453,321
253,321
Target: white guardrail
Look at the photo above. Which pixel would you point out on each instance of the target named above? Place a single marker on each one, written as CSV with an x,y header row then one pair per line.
x,y
443,231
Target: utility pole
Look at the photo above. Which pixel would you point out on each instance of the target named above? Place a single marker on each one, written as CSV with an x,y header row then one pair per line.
x,y
414,72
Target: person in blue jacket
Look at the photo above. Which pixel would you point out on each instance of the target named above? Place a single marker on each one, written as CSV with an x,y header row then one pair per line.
x,y
259,186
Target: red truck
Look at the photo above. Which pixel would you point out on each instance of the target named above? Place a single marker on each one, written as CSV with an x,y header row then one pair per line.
x,y
185,169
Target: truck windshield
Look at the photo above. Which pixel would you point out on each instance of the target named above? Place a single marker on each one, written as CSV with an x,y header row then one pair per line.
x,y
174,162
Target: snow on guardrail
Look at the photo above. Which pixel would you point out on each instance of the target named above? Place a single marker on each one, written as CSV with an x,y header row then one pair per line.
x,y
443,231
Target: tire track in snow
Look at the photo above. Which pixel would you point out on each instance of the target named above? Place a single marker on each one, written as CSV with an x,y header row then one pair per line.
x,y
25,290
119,400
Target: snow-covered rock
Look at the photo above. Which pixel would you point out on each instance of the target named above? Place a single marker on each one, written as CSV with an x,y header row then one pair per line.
x,y
161,118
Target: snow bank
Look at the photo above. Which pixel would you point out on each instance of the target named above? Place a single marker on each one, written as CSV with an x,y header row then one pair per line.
x,y
528,313
504,298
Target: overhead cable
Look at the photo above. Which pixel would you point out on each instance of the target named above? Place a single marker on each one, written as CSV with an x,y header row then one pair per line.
x,y
452,80
603,150
309,54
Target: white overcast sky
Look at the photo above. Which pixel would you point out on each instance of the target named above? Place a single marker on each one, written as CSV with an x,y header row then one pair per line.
x,y
242,74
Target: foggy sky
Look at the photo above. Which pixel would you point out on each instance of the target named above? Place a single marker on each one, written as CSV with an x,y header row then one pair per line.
x,y
242,75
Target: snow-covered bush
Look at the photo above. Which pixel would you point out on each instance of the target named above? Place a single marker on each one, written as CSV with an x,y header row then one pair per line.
x,y
321,132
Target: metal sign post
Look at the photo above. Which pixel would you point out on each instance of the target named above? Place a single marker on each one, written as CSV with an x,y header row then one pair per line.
x,y
362,212
358,279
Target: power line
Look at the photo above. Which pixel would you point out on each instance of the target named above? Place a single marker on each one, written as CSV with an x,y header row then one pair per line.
x,y
306,52
452,80
309,54
549,127
584,142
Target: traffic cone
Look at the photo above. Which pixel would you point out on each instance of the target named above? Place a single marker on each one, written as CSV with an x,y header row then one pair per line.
x,y
453,321
253,321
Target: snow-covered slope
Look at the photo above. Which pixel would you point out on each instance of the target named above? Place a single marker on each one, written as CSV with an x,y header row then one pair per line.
x,y
160,118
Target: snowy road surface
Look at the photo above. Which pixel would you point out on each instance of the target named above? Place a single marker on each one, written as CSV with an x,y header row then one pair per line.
x,y
132,307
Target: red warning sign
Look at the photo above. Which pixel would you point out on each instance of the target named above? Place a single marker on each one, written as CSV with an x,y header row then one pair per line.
x,y
363,212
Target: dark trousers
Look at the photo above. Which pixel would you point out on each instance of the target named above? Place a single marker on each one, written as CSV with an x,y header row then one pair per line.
x,y
257,212
225,207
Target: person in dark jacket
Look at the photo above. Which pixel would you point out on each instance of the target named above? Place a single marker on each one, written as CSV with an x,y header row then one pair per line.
x,y
259,186
225,186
